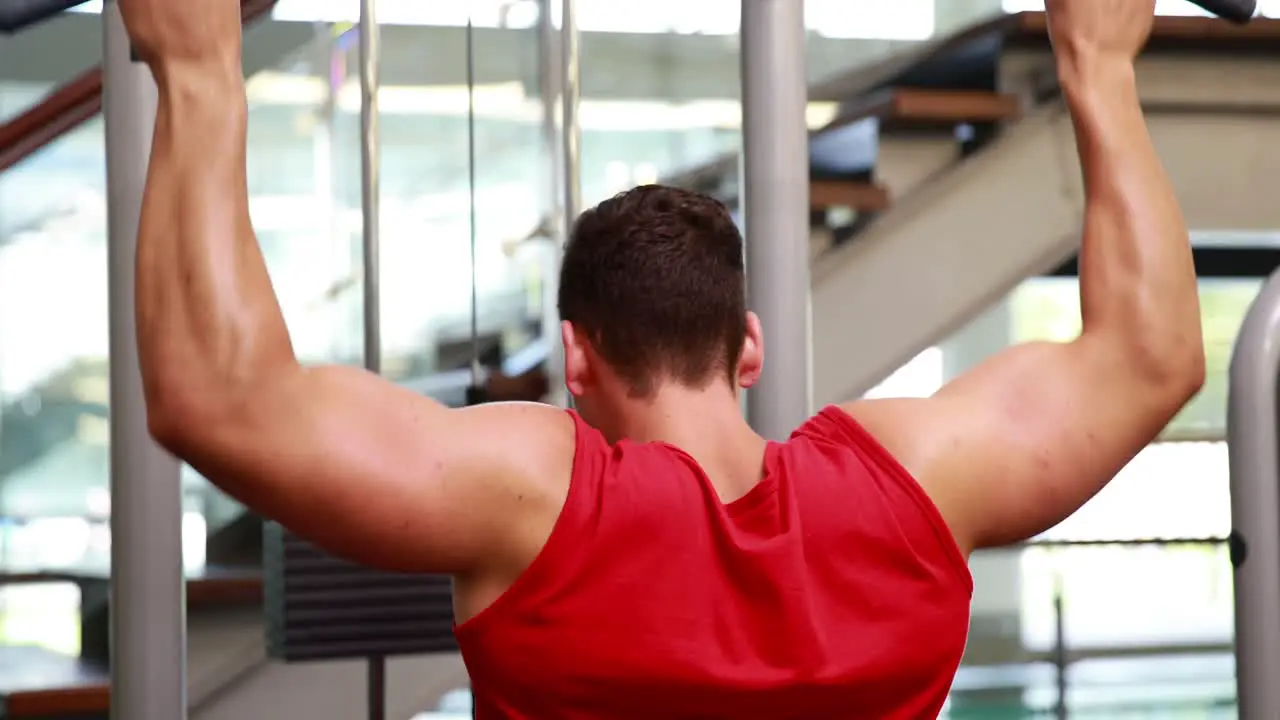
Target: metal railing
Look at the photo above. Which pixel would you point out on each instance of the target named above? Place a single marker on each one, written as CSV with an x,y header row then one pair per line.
x,y
72,105
1060,654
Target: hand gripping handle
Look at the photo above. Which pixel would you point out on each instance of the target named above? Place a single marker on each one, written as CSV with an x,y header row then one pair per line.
x,y
1237,11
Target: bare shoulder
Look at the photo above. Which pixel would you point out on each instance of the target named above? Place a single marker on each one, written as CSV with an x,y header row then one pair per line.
x,y
525,456
528,443
904,427
912,431
898,424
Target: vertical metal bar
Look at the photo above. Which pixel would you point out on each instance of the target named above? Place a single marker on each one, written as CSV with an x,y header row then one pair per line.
x,y
328,58
148,612
370,176
558,68
1254,458
570,101
377,688
1060,646
550,83
473,216
775,191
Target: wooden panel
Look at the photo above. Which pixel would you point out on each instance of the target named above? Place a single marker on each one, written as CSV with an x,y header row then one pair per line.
x,y
211,586
1190,33
861,196
225,587
39,683
925,108
953,105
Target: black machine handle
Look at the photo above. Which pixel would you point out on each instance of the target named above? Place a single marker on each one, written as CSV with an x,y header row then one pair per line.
x,y
1237,11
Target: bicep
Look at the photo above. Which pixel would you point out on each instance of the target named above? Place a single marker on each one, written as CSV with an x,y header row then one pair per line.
x,y
1022,441
382,476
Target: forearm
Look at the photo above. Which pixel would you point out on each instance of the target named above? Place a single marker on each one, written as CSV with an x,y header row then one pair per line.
x,y
1137,279
209,325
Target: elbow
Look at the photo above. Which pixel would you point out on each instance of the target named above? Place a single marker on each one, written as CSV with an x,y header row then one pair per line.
x,y
1168,368
1175,369
188,418
1193,376
187,413
176,420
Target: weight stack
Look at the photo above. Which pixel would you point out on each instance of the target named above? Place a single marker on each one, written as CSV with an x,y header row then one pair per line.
x,y
321,608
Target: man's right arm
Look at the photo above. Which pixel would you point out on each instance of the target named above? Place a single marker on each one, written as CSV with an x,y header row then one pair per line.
x,y
1022,441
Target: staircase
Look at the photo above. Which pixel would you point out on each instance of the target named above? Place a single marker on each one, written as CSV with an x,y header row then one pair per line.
x,y
949,176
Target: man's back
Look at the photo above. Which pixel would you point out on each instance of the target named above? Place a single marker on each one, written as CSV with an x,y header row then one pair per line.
x,y
832,589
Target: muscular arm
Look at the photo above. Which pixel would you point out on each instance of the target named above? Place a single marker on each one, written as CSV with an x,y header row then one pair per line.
x,y
363,468
1022,441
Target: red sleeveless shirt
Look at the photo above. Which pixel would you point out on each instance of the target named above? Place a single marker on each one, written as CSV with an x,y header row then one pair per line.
x,y
831,590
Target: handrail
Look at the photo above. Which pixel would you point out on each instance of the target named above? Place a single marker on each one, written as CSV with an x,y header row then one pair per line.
x,y
1018,29
73,104
62,111
1134,542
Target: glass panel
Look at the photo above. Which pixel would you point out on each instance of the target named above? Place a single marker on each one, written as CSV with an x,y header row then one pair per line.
x,y
53,383
1149,629
426,203
42,58
833,18
643,115
53,389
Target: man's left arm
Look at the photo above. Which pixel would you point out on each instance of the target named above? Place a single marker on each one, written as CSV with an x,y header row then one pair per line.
x,y
366,469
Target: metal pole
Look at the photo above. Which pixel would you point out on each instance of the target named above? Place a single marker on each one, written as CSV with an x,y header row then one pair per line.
x,y
559,82
327,57
377,703
775,189
550,83
1254,459
148,608
570,100
370,175
1060,647
371,208
473,216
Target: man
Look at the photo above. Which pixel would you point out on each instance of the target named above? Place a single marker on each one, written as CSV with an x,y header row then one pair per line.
x,y
652,556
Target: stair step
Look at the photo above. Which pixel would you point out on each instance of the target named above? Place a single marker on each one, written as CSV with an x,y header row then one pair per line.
x,y
225,586
903,134
208,587
857,195
928,109
1174,32
39,683
904,162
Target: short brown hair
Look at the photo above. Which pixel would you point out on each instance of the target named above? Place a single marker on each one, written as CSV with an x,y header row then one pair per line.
x,y
654,277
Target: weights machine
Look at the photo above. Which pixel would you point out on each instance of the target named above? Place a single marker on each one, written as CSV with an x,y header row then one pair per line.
x,y
148,618
1253,439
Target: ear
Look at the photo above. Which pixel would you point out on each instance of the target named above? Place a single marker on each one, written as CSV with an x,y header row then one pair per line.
x,y
577,371
751,361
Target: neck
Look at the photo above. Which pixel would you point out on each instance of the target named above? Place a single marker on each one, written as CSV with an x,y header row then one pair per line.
x,y
705,423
